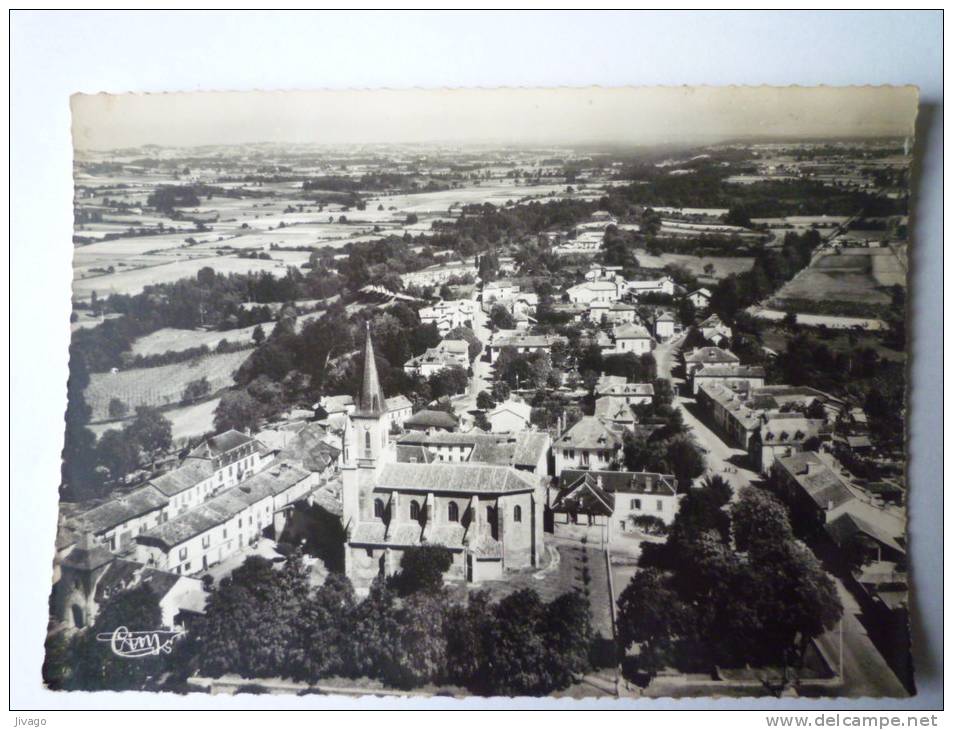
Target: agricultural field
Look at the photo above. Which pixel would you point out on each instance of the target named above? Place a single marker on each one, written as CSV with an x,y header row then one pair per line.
x,y
187,421
724,265
852,275
160,386
169,339
134,281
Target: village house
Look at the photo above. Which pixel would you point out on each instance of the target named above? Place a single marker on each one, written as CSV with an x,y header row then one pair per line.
x,y
431,420
600,272
448,315
218,463
664,326
616,410
594,291
730,410
700,298
399,409
751,376
715,331
437,274
114,523
91,576
664,285
784,434
813,491
447,354
489,516
620,313
606,505
510,416
501,290
618,386
702,356
632,338
590,444
523,343
224,525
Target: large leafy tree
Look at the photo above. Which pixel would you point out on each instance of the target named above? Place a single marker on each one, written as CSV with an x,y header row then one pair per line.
x,y
150,430
422,568
96,667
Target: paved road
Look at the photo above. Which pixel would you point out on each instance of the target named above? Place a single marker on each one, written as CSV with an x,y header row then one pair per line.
x,y
719,455
482,370
865,672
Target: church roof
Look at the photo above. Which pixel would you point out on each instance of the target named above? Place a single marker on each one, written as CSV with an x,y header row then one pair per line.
x,y
370,401
450,477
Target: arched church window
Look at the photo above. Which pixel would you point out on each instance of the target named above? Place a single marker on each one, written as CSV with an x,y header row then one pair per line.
x,y
517,514
453,512
414,510
367,440
379,508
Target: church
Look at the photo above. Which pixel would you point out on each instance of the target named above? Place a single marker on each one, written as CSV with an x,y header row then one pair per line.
x,y
490,516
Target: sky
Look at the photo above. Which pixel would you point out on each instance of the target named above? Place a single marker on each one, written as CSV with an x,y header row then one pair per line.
x,y
646,115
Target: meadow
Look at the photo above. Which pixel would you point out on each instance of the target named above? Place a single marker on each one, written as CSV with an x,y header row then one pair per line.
x,y
160,386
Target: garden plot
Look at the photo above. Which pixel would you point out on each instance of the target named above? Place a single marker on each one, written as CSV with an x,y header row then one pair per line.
x,y
170,339
136,280
724,265
847,276
160,386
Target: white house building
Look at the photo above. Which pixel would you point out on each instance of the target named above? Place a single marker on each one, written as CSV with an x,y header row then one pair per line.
x,y
590,444
632,338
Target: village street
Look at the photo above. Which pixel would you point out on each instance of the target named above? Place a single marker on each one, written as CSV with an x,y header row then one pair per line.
x,y
482,378
865,672
722,459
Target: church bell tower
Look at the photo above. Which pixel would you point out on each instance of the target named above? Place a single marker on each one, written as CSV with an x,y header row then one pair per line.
x,y
369,419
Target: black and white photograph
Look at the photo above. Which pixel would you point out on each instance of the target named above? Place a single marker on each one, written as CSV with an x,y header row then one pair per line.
x,y
611,407
476,360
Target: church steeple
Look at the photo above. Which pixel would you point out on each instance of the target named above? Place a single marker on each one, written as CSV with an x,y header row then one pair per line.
x,y
370,401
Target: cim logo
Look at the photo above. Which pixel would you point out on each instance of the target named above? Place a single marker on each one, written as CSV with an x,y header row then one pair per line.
x,y
136,644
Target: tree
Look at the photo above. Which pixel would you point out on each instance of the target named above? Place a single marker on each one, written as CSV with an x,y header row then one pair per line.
x,y
324,630
653,617
196,389
500,318
568,633
421,569
117,453
150,430
481,422
758,517
684,459
258,335
411,219
236,410
96,667
468,648
737,215
517,655
484,401
686,312
423,638
117,409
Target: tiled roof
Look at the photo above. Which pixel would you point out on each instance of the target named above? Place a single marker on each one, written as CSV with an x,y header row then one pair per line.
x,y
710,355
631,332
224,506
486,548
448,477
185,477
117,577
369,533
511,340
790,429
518,408
817,479
398,402
88,558
847,525
614,408
730,371
618,385
220,444
591,433
428,418
530,447
637,482
123,508
586,496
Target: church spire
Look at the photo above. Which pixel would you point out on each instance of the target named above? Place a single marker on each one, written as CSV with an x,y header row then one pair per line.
x,y
370,401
